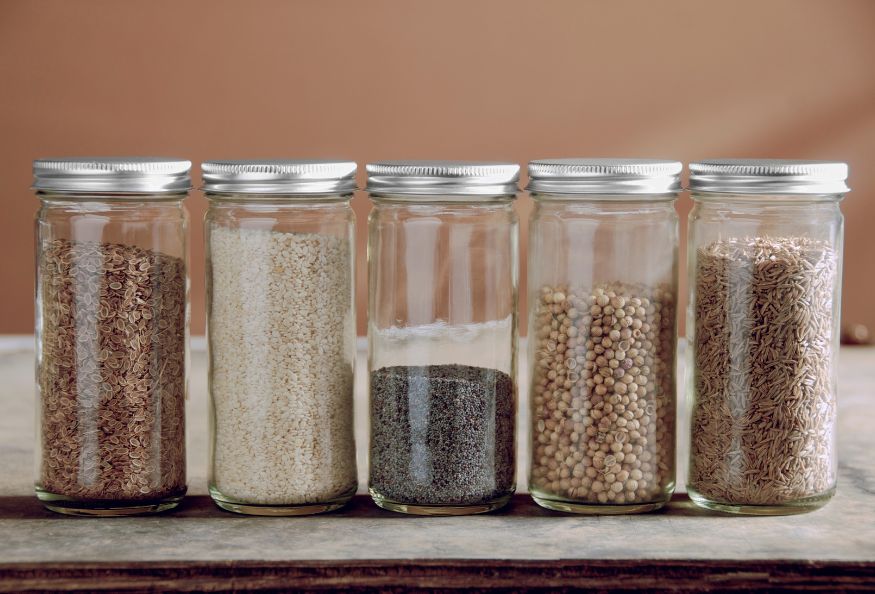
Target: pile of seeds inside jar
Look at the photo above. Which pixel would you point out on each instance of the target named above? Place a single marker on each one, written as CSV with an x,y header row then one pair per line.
x,y
603,393
112,371
442,434
764,413
282,347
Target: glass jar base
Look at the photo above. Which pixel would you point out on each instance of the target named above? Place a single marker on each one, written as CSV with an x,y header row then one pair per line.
x,y
78,507
439,510
601,509
278,510
798,506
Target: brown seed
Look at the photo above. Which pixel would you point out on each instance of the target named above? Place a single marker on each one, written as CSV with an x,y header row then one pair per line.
x,y
113,345
763,428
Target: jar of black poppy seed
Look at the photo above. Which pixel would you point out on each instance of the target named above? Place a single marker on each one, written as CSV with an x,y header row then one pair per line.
x,y
765,262
442,257
111,334
603,258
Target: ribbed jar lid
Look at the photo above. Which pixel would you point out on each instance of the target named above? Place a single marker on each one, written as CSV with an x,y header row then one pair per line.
x,y
443,178
298,176
605,176
768,176
123,175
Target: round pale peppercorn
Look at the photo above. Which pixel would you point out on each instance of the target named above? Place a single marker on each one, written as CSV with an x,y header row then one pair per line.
x,y
608,412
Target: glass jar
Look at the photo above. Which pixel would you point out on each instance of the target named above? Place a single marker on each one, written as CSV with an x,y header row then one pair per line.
x,y
765,256
281,328
603,257
111,334
442,257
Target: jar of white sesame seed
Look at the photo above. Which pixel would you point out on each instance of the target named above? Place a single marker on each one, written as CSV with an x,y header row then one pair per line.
x,y
281,327
602,327
442,255
765,261
111,334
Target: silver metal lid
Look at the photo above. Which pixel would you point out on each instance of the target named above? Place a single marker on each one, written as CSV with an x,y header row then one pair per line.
x,y
123,175
300,176
443,178
768,176
605,176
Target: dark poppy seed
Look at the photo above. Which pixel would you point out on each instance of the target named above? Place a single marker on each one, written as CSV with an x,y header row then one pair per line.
x,y
442,434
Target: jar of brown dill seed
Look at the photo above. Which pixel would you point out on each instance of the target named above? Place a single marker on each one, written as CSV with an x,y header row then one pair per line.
x,y
603,245
765,255
111,334
442,257
281,320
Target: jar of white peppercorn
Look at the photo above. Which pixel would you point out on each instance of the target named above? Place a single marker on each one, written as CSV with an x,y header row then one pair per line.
x,y
765,261
442,258
603,243
111,334
281,326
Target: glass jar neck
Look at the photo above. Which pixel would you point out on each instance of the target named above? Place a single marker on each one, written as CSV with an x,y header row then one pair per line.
x,y
278,200
461,200
70,198
764,199
655,199
438,206
612,205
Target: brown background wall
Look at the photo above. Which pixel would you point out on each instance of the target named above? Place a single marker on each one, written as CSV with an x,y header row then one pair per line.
x,y
445,79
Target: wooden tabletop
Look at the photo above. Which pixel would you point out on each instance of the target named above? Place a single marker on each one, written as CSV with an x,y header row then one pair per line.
x,y
200,547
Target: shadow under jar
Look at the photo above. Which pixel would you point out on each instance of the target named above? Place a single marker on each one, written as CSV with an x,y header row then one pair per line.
x,y
765,255
111,334
603,241
281,319
442,258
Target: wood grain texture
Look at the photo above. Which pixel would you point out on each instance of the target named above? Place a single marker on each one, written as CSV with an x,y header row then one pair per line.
x,y
435,575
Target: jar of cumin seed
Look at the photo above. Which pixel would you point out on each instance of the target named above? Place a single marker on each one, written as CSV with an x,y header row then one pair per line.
x,y
442,258
603,245
280,238
111,334
765,261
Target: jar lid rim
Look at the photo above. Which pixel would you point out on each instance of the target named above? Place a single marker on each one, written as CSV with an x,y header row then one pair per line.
x,y
110,175
605,176
476,179
307,177
768,176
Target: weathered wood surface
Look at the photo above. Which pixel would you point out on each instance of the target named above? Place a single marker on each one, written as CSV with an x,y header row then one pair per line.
x,y
200,548
439,575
